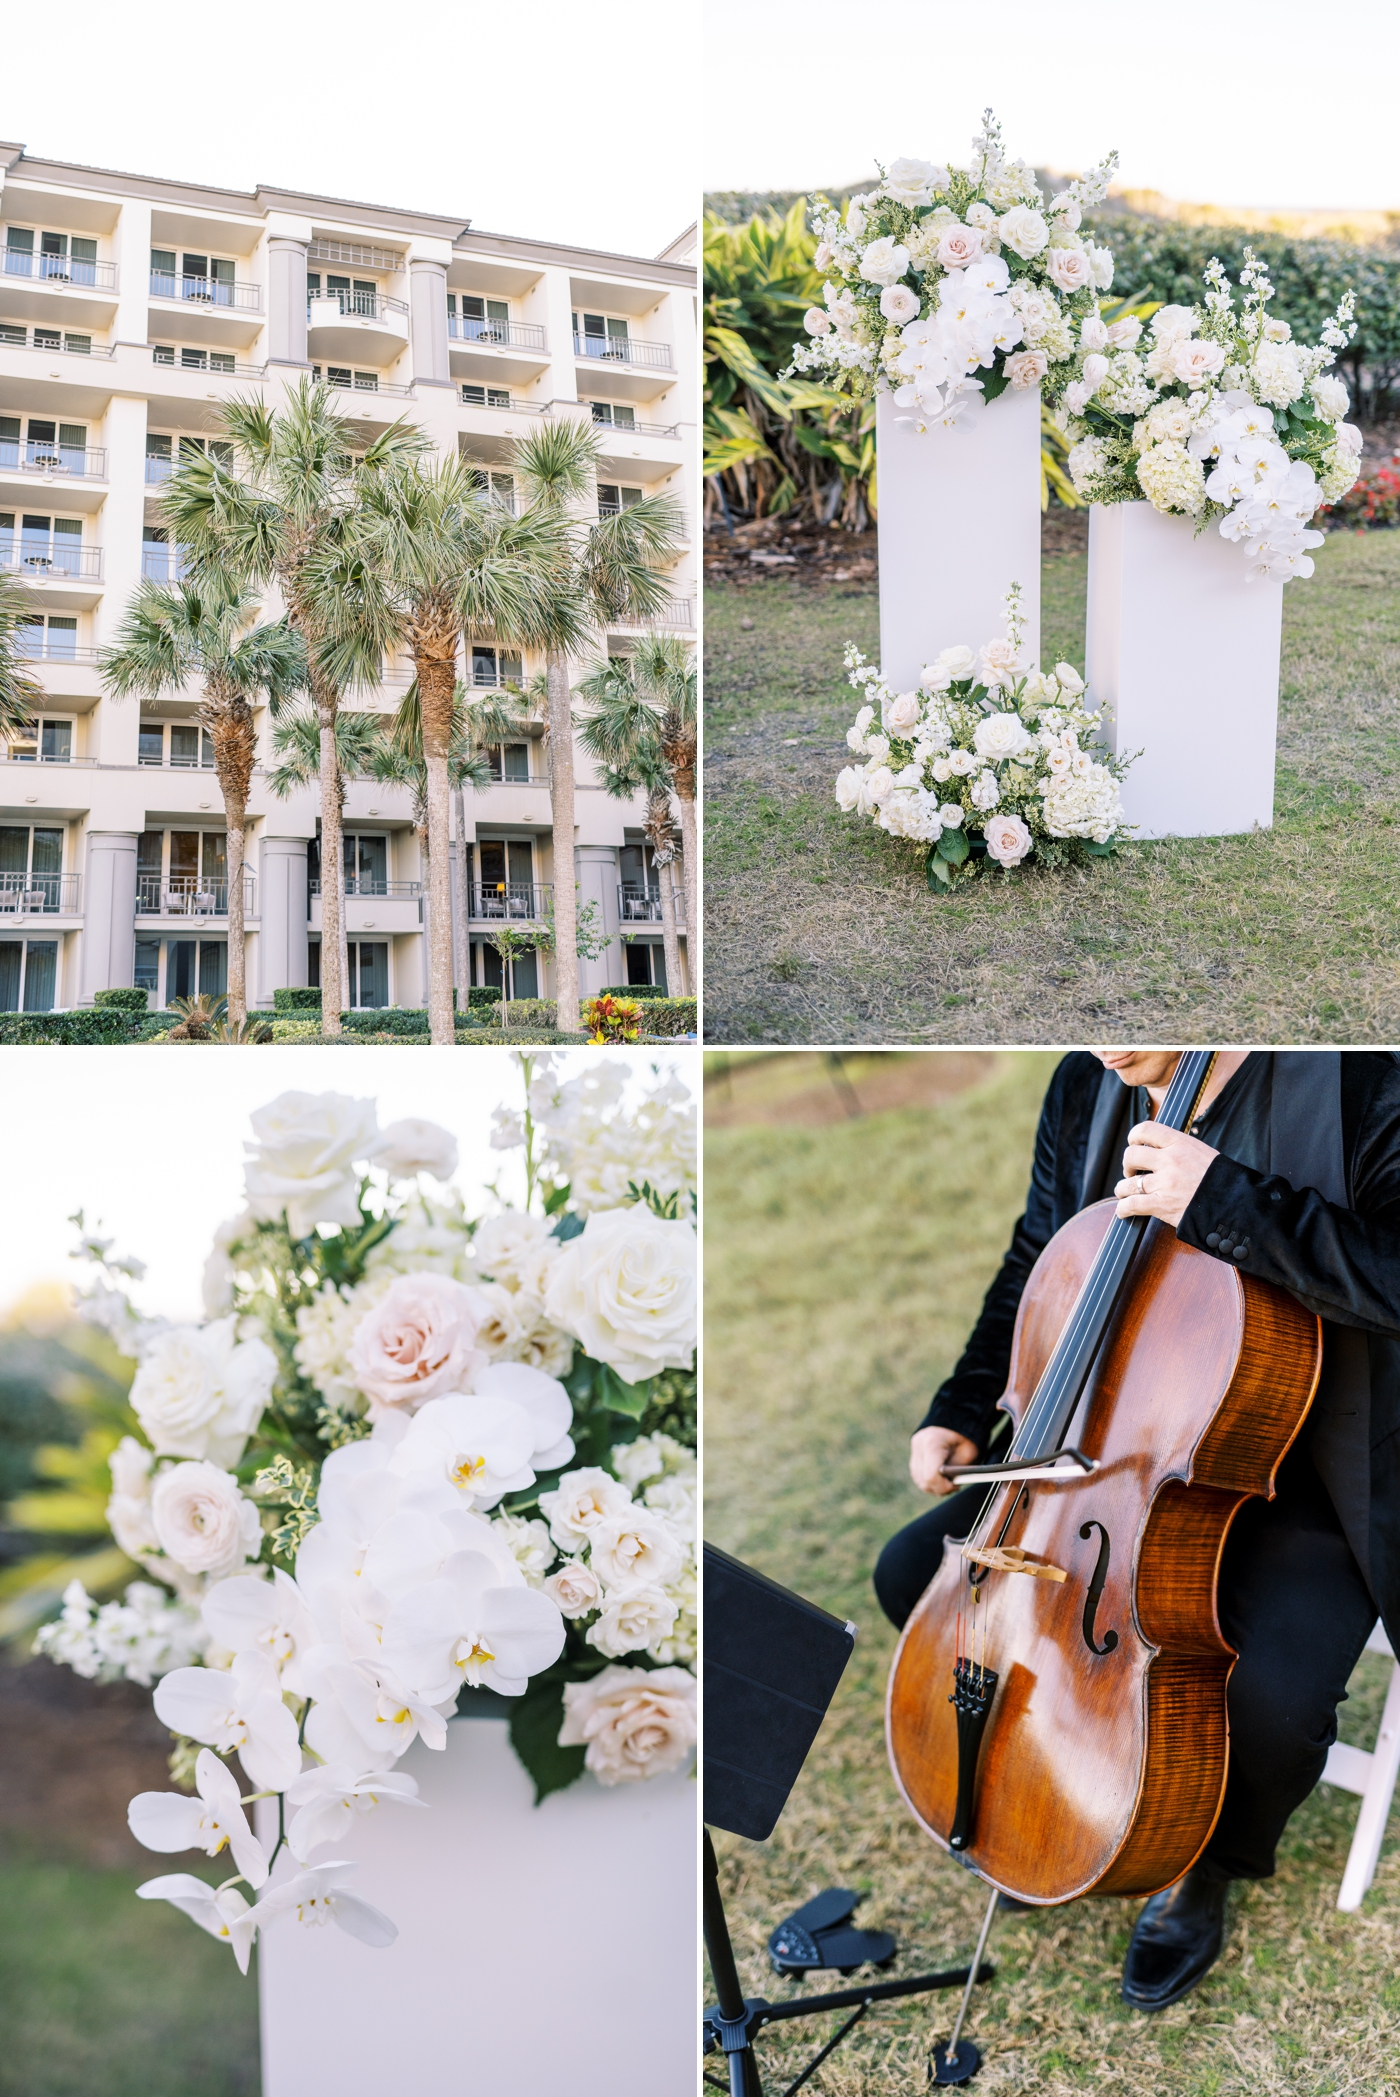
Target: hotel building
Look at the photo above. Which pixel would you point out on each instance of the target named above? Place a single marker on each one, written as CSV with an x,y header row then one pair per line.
x,y
131,310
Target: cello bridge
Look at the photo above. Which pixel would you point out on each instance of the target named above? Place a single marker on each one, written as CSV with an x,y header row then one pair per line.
x,y
1011,1559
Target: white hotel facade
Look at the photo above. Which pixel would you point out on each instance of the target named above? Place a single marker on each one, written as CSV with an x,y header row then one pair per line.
x,y
131,309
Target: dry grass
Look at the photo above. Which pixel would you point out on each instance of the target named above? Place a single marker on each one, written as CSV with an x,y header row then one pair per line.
x,y
843,1266
822,929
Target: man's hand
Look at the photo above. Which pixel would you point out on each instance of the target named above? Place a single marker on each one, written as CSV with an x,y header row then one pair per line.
x,y
1164,1168
930,1449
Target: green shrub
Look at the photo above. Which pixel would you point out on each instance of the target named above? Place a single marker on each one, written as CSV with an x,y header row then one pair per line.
x,y
296,997
672,1016
526,1012
307,1033
632,990
96,1024
122,1000
484,994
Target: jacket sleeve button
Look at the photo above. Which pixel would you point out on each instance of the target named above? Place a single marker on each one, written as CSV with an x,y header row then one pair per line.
x,y
1241,1251
1212,1239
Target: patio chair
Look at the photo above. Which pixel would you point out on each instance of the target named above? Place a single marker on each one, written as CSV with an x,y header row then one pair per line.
x,y
1372,1777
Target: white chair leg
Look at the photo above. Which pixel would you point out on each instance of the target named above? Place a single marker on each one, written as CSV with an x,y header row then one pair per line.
x,y
1384,1767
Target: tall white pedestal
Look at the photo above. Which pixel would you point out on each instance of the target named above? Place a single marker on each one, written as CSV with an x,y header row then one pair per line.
x,y
1184,650
959,517
540,1949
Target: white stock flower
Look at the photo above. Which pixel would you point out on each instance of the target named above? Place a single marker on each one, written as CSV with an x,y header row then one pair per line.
x,y
409,1147
1008,839
202,1520
625,1287
224,1914
246,1614
200,1391
651,1456
215,1820
129,1509
633,1620
579,1503
574,1589
986,793
884,261
634,1722
417,1343
530,1545
241,1709
634,1547
331,1798
302,1161
136,1639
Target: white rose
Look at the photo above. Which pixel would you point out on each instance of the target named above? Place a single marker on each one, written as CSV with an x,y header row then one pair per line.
x,y
1330,398
1077,398
413,1146
129,1509
200,1391
635,1722
950,815
1101,263
1024,231
1095,371
1172,323
958,662
998,662
1124,334
574,1589
959,246
1093,335
1069,679
963,762
579,1503
1069,268
634,1547
633,1621
625,1288
815,321
303,1159
202,1520
1008,839
878,747
1350,439
999,736
884,261
515,1248
848,785
902,713
417,1343
821,259
911,181
898,303
1026,368
1196,362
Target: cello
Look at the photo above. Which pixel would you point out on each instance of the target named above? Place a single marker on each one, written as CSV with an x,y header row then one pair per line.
x,y
1056,1715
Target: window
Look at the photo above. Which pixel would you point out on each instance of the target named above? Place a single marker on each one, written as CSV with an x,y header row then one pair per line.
x,y
357,295
50,639
186,877
524,970
611,500
147,971
505,886
495,487
150,743
56,446
31,873
160,561
51,339
602,335
490,666
473,319
366,865
486,396
164,453
614,414
45,546
509,761
190,745
63,258
204,360
646,962
368,987
195,968
352,381
28,972
205,279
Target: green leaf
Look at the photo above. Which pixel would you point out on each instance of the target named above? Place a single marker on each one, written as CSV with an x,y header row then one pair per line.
x,y
938,874
620,1397
556,1198
568,1226
995,382
535,1720
953,847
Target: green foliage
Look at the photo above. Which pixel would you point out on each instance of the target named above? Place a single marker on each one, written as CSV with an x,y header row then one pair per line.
x,y
672,1016
296,997
632,990
122,1000
80,1028
283,1484
535,1720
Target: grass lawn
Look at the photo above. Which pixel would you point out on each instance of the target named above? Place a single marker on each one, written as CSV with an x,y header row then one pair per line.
x,y
820,928
845,1260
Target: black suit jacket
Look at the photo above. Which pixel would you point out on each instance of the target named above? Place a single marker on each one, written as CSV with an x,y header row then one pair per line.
x,y
1339,1256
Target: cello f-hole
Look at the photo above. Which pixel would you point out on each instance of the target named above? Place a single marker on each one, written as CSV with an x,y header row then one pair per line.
x,y
1096,1587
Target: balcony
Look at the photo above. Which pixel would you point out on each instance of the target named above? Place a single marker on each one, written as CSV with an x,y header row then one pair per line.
x,y
50,647
623,349
45,560
348,327
187,896
525,900
51,462
367,885
608,428
497,334
227,314
675,612
164,564
362,382
47,287
205,291
39,895
507,406
638,905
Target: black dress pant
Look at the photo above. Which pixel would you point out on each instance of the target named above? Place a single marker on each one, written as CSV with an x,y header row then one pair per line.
x,y
1295,1606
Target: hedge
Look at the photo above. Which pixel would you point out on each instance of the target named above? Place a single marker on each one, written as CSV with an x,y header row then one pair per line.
x,y
121,1000
106,1025
307,1032
664,1016
300,998
632,990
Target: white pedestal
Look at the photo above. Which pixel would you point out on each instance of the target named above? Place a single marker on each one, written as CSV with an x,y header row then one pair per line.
x,y
540,1950
1185,651
959,518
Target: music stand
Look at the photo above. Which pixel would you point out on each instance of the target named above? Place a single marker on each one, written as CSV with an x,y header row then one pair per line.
x,y
772,1665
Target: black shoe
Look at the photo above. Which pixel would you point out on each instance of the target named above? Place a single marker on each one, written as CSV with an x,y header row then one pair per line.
x,y
1176,1940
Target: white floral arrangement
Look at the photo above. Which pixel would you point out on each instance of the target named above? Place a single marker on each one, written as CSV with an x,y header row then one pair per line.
x,y
1221,417
408,1457
986,761
940,274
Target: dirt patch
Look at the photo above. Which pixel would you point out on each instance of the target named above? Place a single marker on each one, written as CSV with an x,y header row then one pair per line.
x,y
815,556
73,1754
813,1089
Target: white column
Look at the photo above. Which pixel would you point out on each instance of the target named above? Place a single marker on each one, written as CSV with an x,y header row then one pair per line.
x,y
109,912
959,523
282,945
427,302
550,302
131,251
1183,652
286,297
118,532
596,873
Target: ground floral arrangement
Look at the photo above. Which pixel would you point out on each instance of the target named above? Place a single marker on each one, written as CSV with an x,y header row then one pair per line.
x,y
409,1456
1222,417
940,274
987,762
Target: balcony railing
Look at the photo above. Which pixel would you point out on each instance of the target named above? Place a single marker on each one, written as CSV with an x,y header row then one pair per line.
x,y
164,563
366,382
637,429
510,899
676,611
370,885
227,368
361,305
39,895
635,903
35,455
38,646
47,560
74,346
205,291
60,269
497,334
621,349
504,407
185,895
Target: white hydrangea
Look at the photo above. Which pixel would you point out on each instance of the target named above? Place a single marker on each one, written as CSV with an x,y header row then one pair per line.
x,y
431,1237
650,1456
1086,461
1083,803
325,1328
529,1543
1338,475
1172,480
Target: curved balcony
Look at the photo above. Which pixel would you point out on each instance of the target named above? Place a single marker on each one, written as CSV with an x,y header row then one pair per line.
x,y
355,327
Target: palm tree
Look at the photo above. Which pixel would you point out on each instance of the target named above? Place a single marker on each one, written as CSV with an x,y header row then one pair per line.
x,y
20,693
203,629
280,513
643,726
296,743
434,560
615,565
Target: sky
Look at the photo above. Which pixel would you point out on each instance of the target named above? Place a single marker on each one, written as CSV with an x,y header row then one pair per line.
x,y
553,122
149,1143
1245,106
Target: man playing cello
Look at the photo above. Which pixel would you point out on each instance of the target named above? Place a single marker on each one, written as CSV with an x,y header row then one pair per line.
x,y
1291,1172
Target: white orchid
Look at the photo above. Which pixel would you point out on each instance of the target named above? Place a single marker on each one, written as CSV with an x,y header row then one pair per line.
x,y
241,1709
248,1615
221,1910
329,1798
470,1449
318,1895
470,1625
215,1820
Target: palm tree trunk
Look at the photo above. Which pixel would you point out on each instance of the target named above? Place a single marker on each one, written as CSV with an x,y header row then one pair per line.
x,y
461,946
237,947
230,726
690,861
333,974
561,798
436,683
340,890
671,946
